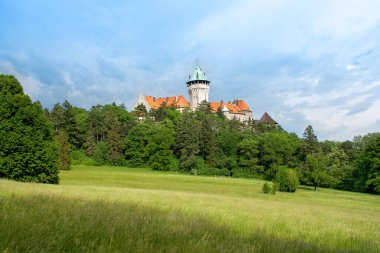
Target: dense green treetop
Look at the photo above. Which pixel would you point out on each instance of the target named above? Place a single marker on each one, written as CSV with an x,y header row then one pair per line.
x,y
28,151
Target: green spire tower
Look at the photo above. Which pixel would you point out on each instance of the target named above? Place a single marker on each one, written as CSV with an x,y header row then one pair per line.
x,y
198,87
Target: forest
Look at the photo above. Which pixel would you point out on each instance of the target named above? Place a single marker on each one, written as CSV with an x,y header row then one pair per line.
x,y
199,143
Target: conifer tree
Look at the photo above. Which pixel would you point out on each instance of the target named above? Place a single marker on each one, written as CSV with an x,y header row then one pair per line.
x,y
90,142
219,113
187,141
28,151
310,141
70,124
203,109
208,139
57,117
140,111
64,160
113,138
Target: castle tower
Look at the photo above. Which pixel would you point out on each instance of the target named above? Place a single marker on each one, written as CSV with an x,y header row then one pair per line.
x,y
198,87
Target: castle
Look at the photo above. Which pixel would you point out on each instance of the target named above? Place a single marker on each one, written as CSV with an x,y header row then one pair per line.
x,y
198,88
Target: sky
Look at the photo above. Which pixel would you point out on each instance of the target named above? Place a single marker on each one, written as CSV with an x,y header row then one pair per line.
x,y
314,62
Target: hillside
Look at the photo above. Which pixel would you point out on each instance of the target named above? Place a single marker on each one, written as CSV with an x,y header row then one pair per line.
x,y
109,209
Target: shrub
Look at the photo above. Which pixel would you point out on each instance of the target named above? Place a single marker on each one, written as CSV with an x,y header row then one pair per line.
x,y
270,188
80,157
163,160
287,179
267,188
229,163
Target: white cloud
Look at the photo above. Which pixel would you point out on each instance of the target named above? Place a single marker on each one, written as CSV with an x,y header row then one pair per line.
x,y
335,122
310,28
32,86
341,113
343,18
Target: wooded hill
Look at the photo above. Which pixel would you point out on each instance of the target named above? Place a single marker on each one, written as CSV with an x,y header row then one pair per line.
x,y
199,142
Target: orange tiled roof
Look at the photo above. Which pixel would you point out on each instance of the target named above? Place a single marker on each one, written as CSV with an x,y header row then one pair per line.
x,y
176,101
242,105
237,106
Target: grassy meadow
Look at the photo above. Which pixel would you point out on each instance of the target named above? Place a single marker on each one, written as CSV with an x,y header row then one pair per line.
x,y
117,209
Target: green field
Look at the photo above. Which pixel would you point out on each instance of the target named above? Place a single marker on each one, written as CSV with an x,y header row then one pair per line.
x,y
116,209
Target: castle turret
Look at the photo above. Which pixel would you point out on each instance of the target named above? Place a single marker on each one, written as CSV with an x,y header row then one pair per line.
x,y
198,87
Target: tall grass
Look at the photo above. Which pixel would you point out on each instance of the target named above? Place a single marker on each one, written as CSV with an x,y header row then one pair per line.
x,y
110,209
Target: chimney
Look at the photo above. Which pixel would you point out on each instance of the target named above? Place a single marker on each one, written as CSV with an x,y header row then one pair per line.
x,y
176,98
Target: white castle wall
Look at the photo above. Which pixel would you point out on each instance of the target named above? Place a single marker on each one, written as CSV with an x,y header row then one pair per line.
x,y
198,92
141,100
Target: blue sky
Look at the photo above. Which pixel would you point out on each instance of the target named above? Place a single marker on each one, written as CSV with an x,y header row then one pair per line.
x,y
304,62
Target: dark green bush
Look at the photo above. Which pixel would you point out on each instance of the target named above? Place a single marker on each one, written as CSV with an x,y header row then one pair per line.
x,y
28,151
163,160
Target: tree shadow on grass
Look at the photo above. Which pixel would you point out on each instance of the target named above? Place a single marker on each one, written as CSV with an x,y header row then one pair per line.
x,y
306,188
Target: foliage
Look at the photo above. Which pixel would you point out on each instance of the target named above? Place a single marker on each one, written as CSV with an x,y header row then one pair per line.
x,y
28,151
159,114
71,126
57,117
207,139
207,143
248,151
90,143
140,111
101,153
227,162
267,188
159,147
287,179
135,143
113,138
315,170
80,157
368,166
278,148
64,159
310,144
187,141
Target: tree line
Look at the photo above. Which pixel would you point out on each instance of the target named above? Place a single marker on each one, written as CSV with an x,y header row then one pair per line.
x,y
198,142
